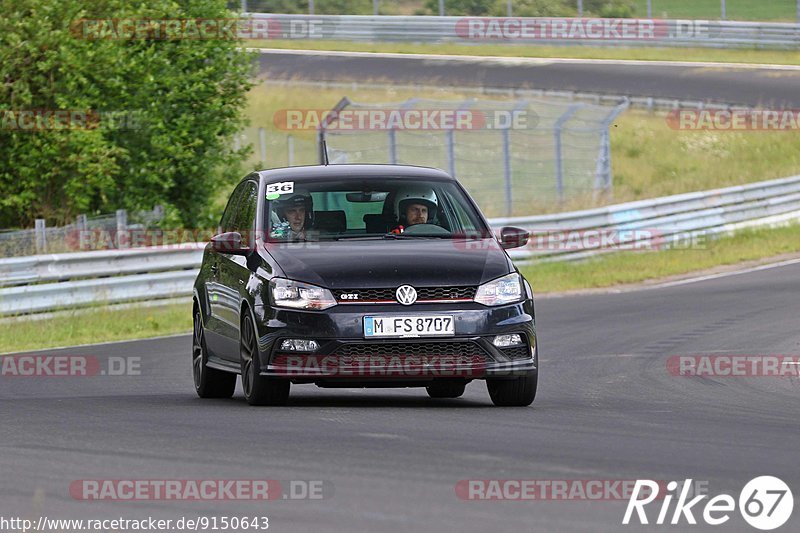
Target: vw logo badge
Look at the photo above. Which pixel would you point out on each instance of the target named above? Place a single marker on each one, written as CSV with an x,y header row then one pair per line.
x,y
406,294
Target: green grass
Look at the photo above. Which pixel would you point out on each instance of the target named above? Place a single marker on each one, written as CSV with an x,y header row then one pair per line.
x,y
745,55
649,159
632,267
93,326
769,10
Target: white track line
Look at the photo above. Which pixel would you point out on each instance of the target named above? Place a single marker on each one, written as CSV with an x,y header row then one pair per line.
x,y
665,285
530,60
726,274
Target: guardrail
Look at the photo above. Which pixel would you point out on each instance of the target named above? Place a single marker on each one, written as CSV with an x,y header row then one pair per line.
x,y
51,296
58,267
665,222
47,282
551,31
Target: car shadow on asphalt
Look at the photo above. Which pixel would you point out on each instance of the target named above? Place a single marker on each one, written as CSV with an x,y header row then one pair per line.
x,y
382,401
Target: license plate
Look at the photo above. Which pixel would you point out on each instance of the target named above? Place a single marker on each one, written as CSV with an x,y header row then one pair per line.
x,y
409,326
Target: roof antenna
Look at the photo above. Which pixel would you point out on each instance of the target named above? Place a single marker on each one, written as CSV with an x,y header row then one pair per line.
x,y
325,153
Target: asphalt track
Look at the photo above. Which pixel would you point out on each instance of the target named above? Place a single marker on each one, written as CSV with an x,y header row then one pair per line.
x,y
767,86
607,409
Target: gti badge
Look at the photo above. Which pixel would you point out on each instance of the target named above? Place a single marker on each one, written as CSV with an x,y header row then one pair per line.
x,y
406,294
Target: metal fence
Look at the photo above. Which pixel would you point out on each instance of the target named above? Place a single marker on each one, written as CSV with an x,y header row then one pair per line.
x,y
679,220
49,282
273,149
549,31
86,233
509,155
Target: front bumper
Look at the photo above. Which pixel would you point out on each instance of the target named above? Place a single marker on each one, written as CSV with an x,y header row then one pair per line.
x,y
346,356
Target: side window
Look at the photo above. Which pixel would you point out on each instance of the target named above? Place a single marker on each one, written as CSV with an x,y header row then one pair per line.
x,y
462,218
246,211
226,223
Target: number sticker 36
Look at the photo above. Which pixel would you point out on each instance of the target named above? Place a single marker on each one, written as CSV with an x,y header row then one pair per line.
x,y
284,187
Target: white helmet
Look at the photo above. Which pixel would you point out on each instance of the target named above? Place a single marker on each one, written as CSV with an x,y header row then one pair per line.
x,y
414,195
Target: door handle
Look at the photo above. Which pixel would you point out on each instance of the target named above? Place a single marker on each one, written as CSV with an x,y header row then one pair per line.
x,y
214,268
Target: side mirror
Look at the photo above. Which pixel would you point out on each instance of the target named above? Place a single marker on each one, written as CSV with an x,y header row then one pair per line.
x,y
229,243
511,237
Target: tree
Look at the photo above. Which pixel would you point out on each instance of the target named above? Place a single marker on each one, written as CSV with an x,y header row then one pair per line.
x,y
179,102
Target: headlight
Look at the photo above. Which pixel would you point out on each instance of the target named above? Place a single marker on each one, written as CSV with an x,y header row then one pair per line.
x,y
298,295
505,290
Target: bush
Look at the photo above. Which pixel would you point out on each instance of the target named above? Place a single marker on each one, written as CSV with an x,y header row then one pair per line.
x,y
186,96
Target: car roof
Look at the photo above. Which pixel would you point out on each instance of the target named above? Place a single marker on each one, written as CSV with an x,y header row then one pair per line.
x,y
316,172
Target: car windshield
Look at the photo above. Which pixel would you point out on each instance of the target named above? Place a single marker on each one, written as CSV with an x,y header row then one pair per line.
x,y
374,208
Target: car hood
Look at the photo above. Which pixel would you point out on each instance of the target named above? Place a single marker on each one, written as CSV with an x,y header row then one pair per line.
x,y
390,263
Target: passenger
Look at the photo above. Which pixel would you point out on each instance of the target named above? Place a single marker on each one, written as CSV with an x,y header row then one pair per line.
x,y
295,216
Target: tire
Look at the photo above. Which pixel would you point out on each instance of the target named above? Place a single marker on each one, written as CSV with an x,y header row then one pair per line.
x,y
446,389
518,392
258,389
208,382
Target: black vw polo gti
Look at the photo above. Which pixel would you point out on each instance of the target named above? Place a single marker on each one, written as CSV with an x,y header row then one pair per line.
x,y
361,276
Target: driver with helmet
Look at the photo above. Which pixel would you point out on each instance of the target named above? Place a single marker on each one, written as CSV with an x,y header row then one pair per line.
x,y
294,216
414,205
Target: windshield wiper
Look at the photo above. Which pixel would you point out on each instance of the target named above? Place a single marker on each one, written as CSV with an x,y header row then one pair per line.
x,y
383,236
360,237
420,236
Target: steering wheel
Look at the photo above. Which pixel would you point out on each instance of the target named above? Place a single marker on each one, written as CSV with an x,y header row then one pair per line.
x,y
425,229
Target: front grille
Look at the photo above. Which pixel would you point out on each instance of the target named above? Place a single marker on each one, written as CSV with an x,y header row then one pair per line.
x,y
427,349
516,352
445,293
423,294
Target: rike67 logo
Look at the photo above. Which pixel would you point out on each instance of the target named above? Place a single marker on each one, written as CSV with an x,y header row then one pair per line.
x,y
765,503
